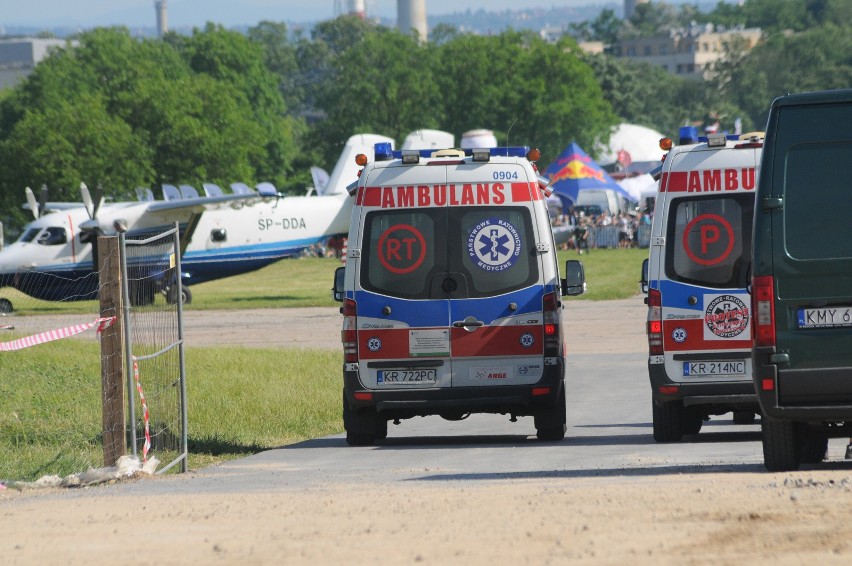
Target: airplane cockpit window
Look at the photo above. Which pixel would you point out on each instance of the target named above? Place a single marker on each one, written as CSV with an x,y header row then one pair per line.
x,y
29,234
53,236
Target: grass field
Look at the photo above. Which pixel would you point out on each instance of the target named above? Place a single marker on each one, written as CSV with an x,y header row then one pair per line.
x,y
50,398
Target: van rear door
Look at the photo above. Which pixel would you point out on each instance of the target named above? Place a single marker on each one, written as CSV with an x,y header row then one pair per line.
x,y
496,276
403,313
812,253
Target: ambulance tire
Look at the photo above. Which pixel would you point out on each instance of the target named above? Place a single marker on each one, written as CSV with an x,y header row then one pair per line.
x,y
692,421
668,421
744,417
550,424
782,444
362,427
6,306
815,446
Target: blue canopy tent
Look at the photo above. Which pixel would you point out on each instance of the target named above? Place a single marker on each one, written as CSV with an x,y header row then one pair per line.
x,y
574,171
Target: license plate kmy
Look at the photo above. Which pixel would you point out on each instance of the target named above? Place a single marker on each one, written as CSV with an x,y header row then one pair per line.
x,y
406,377
714,369
825,317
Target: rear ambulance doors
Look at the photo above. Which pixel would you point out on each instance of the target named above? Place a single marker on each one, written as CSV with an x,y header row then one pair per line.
x,y
449,289
705,305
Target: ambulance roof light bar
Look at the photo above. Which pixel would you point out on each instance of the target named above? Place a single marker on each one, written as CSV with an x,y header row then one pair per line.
x,y
689,135
385,153
410,157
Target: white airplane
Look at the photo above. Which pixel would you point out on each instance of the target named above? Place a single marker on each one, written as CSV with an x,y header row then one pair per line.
x,y
223,234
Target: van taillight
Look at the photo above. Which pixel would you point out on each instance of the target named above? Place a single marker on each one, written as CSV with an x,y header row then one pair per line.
x,y
655,322
763,310
550,307
349,335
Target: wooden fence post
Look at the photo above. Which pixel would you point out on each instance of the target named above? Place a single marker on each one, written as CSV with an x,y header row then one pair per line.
x,y
112,351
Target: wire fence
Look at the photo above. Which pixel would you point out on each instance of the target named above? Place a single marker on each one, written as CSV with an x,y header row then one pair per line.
x,y
52,393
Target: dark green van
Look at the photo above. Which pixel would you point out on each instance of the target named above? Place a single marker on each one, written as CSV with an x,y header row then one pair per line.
x,y
802,278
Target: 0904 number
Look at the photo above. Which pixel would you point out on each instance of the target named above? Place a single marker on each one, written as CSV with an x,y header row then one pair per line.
x,y
504,175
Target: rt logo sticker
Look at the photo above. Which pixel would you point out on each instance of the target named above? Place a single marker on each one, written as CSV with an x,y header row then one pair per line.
x,y
402,249
494,245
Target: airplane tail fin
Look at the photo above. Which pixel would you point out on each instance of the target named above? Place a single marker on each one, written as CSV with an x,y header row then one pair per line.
x,y
346,170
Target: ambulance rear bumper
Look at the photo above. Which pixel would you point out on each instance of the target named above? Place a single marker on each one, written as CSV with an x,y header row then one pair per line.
x,y
521,400
732,394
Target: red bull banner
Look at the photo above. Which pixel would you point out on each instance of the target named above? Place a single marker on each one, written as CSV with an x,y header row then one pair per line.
x,y
574,170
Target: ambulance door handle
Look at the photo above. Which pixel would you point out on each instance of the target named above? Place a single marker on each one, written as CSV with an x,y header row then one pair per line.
x,y
468,323
692,300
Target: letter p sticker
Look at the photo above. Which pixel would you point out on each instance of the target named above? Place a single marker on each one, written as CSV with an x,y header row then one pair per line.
x,y
708,239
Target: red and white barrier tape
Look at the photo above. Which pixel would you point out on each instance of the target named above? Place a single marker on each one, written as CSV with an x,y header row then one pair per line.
x,y
147,446
52,335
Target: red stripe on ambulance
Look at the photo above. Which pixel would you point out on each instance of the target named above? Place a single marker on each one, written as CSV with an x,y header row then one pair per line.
x,y
708,180
489,341
421,196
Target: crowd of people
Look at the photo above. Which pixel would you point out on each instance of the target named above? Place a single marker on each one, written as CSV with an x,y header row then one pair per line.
x,y
589,227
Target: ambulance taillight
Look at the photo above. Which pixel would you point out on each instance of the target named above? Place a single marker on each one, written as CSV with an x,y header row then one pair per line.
x,y
763,307
550,307
349,334
655,322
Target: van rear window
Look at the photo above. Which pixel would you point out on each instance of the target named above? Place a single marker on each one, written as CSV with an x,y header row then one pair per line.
x,y
709,240
817,201
463,252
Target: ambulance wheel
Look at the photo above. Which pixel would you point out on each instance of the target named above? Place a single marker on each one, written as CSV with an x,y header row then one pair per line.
x,y
744,417
815,446
550,423
692,421
782,444
362,427
6,306
668,421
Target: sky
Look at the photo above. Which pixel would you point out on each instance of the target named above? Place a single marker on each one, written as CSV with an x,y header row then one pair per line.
x,y
195,13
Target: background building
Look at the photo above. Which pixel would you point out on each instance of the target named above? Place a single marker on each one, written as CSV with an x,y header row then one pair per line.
x,y
18,57
687,53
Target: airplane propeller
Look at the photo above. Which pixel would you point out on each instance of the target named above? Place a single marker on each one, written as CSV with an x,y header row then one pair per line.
x,y
37,208
91,227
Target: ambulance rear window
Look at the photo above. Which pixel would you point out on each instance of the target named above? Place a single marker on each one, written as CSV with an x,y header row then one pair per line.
x,y
709,240
460,252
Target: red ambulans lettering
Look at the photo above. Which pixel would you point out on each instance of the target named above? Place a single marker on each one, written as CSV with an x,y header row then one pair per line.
x,y
433,195
709,180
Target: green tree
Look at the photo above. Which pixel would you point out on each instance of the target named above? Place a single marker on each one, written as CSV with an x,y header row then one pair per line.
x,y
527,91
818,59
389,90
124,113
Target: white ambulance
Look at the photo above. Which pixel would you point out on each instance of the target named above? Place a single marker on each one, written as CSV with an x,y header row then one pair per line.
x,y
451,293
696,276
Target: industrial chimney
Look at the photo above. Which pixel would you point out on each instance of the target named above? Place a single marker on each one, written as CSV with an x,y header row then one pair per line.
x,y
162,19
630,7
411,15
356,8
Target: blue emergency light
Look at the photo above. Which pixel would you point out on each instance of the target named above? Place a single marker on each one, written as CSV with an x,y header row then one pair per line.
x,y
383,151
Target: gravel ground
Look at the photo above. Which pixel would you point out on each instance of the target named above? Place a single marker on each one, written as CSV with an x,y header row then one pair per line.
x,y
704,518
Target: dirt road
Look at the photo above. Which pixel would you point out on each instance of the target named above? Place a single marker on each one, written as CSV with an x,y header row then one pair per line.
x,y
666,518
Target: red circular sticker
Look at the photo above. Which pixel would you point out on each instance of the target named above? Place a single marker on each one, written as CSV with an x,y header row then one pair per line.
x,y
708,239
402,248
